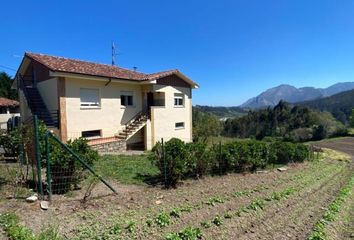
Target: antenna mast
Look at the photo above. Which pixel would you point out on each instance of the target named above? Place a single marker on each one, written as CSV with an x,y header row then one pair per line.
x,y
113,54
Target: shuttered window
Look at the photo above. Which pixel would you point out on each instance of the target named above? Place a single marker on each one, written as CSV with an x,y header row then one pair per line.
x,y
89,97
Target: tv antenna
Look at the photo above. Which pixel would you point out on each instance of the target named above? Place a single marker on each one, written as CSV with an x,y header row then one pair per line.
x,y
114,54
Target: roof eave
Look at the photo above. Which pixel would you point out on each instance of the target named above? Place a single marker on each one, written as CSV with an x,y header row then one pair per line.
x,y
96,77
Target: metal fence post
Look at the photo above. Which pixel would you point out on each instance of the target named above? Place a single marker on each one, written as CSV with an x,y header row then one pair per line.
x,y
220,160
49,176
164,161
37,154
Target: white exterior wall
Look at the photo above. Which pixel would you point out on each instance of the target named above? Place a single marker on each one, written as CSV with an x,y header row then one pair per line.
x,y
5,117
49,93
164,118
110,117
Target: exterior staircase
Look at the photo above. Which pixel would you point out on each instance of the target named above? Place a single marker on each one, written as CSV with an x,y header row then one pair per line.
x,y
133,126
38,107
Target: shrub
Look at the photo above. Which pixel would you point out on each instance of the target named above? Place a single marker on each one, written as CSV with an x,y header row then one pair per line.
x,y
66,170
181,160
171,160
301,152
11,143
199,159
284,152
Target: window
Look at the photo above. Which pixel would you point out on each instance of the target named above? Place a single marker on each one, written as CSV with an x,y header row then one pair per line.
x,y
91,134
89,97
178,100
179,125
126,99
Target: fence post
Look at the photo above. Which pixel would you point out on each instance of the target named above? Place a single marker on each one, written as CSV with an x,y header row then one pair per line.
x,y
220,160
37,154
164,161
81,161
49,175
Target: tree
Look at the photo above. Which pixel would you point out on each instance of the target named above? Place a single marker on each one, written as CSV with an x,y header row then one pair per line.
x,y
5,87
205,125
351,119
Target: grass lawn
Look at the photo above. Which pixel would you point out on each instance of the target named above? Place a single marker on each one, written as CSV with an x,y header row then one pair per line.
x,y
135,169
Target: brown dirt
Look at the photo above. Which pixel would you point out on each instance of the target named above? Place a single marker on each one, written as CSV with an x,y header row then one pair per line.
x,y
289,218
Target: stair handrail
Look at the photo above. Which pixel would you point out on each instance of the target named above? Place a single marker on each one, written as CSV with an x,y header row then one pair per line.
x,y
137,115
25,92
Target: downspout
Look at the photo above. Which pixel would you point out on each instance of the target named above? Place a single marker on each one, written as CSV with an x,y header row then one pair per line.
x,y
109,81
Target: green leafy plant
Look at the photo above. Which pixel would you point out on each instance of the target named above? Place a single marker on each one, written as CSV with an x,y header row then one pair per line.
x,y
330,215
205,224
131,226
116,229
258,204
214,200
227,215
189,233
175,212
149,222
217,221
163,219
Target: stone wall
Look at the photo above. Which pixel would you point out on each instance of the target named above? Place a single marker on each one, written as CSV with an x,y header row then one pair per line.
x,y
113,147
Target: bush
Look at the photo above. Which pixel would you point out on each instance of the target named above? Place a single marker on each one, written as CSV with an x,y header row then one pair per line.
x,y
301,153
66,170
196,159
284,152
171,160
199,159
11,143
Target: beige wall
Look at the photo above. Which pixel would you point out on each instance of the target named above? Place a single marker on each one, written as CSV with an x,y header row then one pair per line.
x,y
164,118
49,92
110,117
25,111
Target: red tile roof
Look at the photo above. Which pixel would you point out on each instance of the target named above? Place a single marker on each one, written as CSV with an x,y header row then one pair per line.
x,y
60,64
4,102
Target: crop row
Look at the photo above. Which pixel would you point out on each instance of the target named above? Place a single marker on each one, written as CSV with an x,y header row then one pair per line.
x,y
319,232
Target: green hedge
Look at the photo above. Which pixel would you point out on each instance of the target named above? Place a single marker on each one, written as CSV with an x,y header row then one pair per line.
x,y
177,160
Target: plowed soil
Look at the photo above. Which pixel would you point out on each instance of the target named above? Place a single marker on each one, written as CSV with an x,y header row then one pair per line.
x,y
268,205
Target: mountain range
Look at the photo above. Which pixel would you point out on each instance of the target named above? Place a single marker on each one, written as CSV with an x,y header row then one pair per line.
x,y
291,94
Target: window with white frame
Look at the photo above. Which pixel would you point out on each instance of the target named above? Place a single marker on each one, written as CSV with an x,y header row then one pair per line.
x,y
179,125
126,99
89,98
178,100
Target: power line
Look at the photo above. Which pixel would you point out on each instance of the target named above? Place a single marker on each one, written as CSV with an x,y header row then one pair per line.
x,y
9,68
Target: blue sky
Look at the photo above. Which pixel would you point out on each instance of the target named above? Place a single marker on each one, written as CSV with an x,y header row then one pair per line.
x,y
234,49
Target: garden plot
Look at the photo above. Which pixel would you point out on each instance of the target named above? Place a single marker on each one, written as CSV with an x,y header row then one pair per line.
x,y
272,205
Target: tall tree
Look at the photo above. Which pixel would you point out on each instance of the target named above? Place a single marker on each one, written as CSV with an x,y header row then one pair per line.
x,y
5,87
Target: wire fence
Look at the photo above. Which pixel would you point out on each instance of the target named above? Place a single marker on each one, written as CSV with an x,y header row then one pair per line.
x,y
48,166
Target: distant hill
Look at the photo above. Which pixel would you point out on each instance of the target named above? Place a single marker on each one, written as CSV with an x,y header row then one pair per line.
x,y
222,112
291,94
340,105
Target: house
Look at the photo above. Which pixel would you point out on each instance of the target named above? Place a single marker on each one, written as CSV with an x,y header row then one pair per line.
x,y
8,109
113,107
